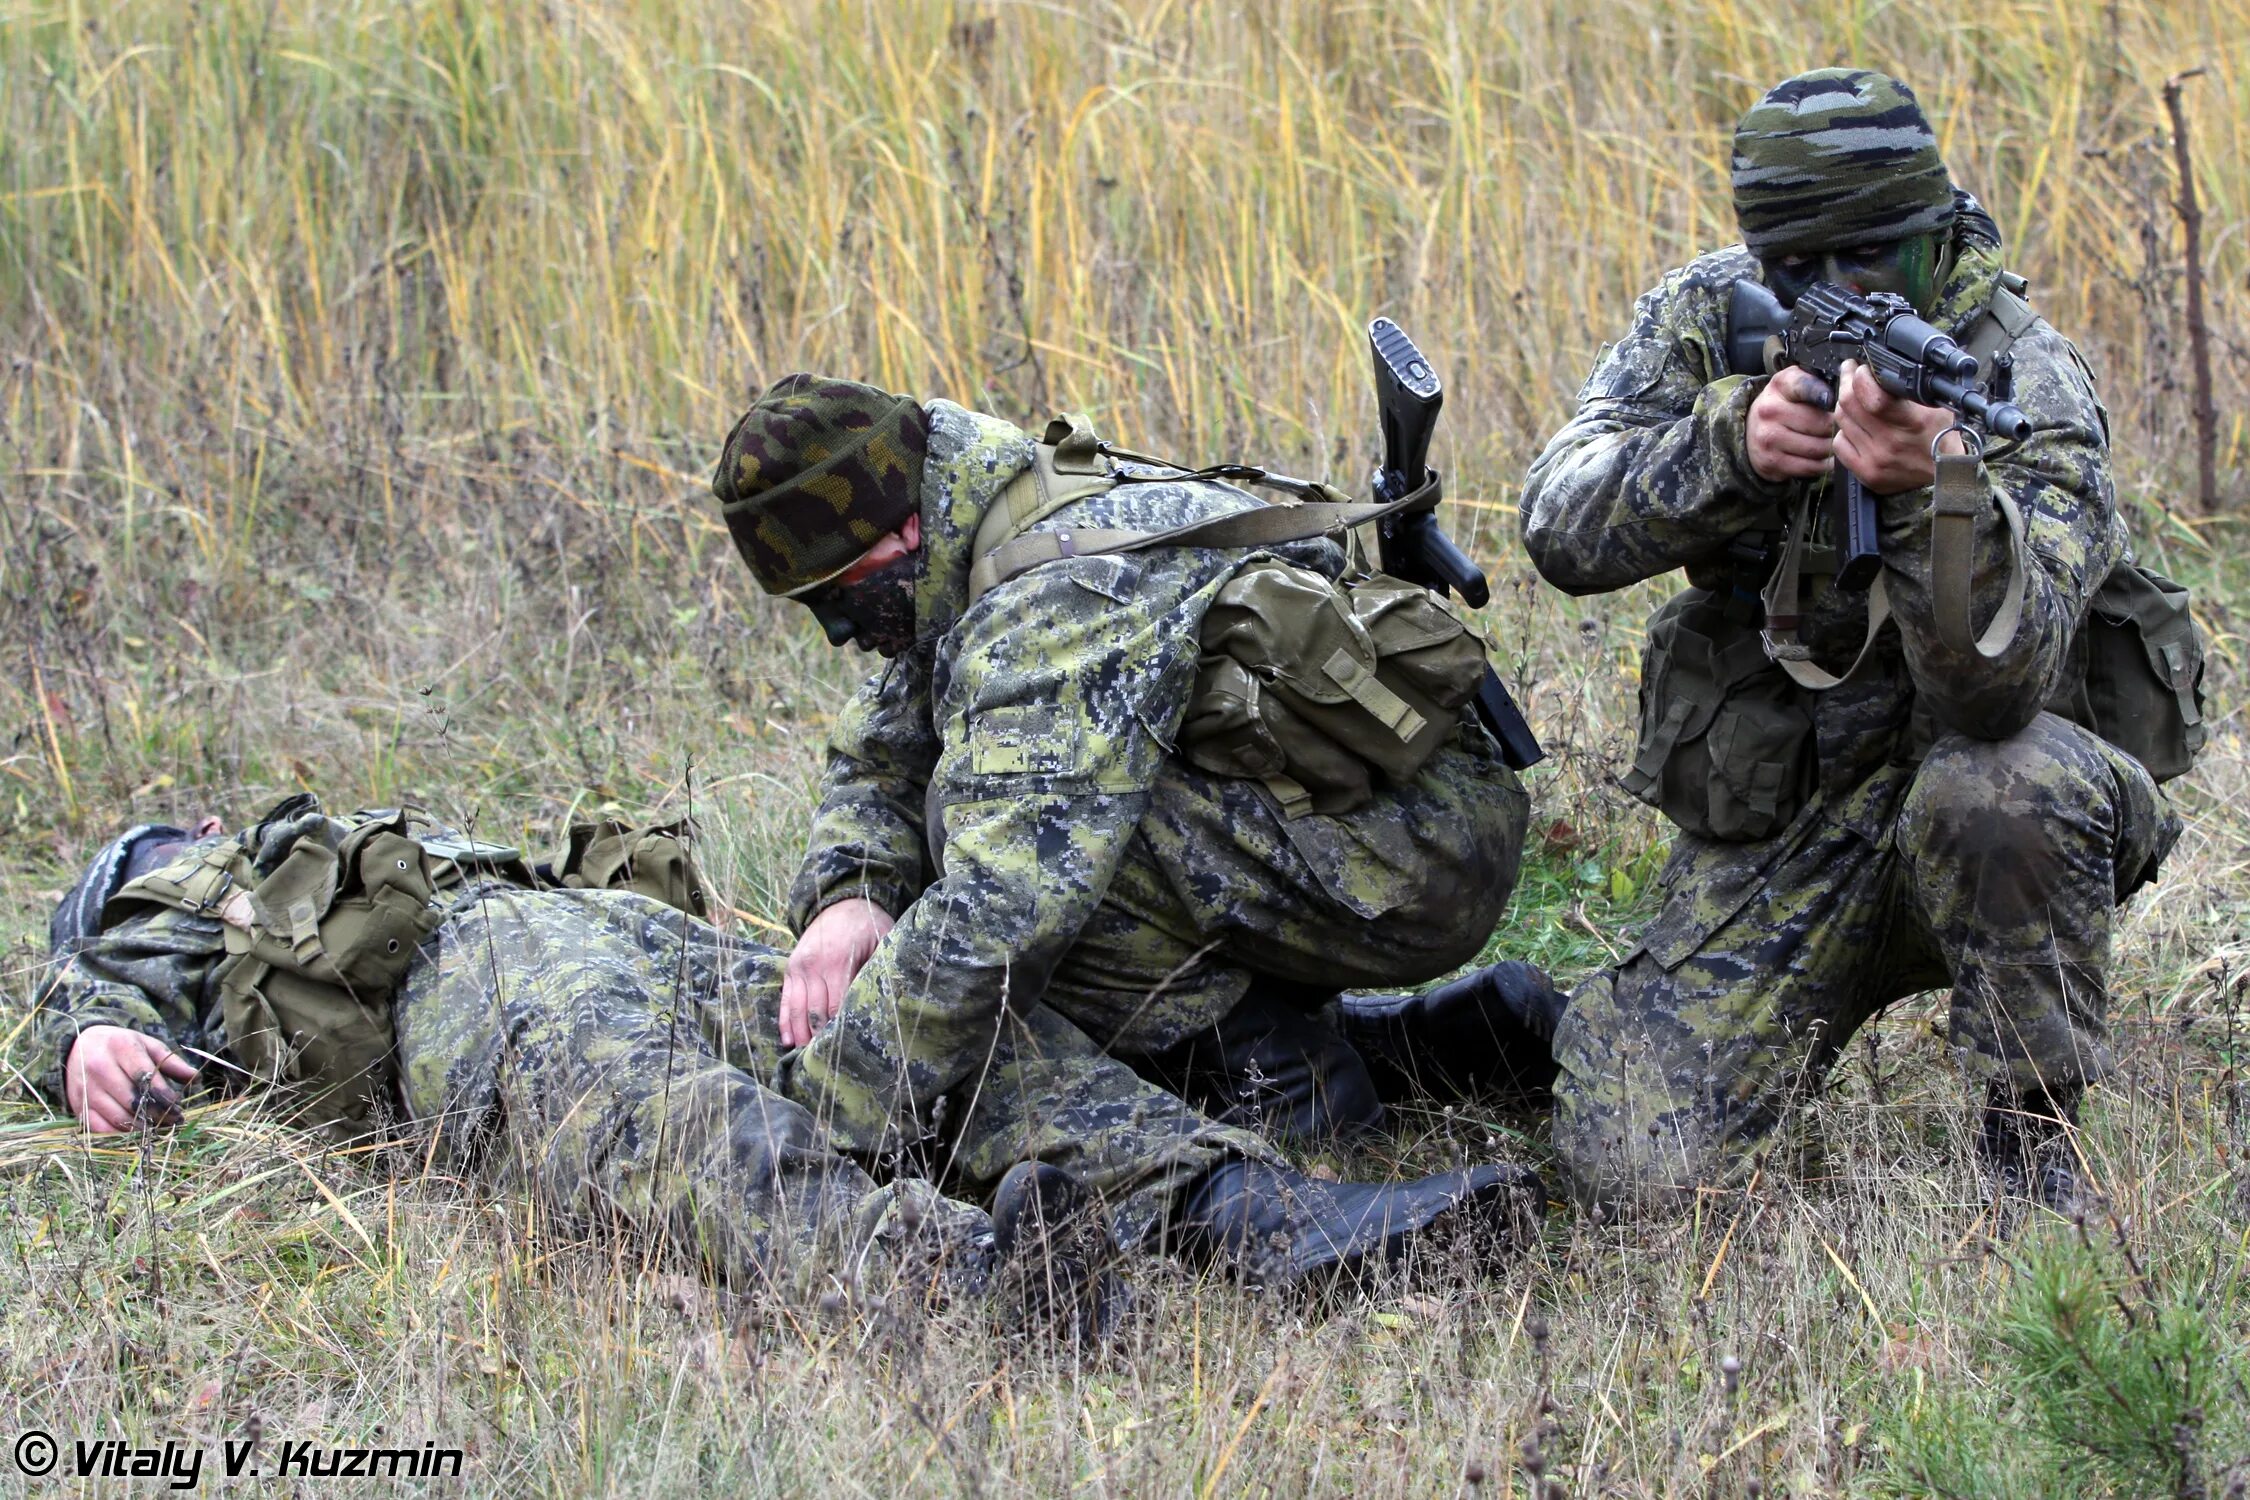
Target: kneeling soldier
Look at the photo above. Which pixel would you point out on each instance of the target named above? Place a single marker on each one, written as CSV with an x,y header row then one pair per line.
x,y
1068,791
1944,814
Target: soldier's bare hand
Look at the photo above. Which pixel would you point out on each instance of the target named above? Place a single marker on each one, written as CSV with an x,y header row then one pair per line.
x,y
836,945
1792,432
1885,439
114,1080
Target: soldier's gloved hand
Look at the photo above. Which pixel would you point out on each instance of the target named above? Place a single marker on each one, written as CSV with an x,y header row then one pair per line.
x,y
113,1080
835,946
1885,439
1792,427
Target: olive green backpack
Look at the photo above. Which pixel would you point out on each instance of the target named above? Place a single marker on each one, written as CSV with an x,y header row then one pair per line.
x,y
316,943
1318,688
1314,686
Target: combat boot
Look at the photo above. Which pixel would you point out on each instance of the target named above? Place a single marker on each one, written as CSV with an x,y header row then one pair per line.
x,y
1055,1259
2024,1146
1491,1029
1274,1227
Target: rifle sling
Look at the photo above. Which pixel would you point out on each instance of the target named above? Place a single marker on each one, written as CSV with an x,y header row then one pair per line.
x,y
1785,612
1958,499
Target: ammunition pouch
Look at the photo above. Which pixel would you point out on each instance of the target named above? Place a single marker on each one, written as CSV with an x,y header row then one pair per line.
x,y
2139,677
1318,688
1726,737
649,859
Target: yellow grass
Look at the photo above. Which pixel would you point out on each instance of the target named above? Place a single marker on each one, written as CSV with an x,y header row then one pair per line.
x,y
360,365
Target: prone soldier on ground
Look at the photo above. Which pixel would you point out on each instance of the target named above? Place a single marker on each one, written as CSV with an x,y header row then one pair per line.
x,y
1941,771
578,1031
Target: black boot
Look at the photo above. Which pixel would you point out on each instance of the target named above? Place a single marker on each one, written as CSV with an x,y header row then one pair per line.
x,y
1491,1029
1276,1227
1276,1065
1056,1261
2024,1146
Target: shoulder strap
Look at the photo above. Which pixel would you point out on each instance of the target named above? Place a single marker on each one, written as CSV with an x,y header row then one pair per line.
x,y
199,885
1066,466
2006,318
1071,463
1266,526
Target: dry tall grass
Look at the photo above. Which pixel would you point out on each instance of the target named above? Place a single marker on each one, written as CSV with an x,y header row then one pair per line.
x,y
363,363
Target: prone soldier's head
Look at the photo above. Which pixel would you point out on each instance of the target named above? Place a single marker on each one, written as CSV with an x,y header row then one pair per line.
x,y
820,484
1837,177
132,854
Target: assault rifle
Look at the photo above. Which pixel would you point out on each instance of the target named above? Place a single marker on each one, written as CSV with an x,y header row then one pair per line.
x,y
1907,356
1408,542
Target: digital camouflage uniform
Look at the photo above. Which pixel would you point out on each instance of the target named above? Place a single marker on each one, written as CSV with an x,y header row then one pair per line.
x,y
1007,788
1957,834
619,1058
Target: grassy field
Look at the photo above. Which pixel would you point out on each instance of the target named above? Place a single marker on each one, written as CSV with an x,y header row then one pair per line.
x,y
360,368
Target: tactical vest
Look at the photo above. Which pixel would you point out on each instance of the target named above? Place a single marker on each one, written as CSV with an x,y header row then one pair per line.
x,y
321,917
1725,748
1318,688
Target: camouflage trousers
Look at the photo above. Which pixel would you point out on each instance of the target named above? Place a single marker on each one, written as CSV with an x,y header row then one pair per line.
x,y
1228,927
1994,868
621,1060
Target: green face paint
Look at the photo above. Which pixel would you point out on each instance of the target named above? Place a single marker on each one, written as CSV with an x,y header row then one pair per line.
x,y
1907,267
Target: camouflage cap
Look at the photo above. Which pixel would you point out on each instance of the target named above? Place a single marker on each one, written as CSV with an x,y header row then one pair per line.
x,y
817,472
1837,157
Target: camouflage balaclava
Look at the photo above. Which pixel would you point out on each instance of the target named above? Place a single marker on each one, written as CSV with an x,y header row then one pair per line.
x,y
1834,158
817,472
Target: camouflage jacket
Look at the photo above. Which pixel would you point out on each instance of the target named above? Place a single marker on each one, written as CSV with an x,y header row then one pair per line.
x,y
1653,474
150,973
984,786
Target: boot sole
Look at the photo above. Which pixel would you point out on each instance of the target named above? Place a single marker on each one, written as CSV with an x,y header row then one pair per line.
x,y
1495,1214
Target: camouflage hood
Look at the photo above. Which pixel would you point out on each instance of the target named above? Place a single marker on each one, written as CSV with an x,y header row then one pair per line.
x,y
1976,265
971,459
